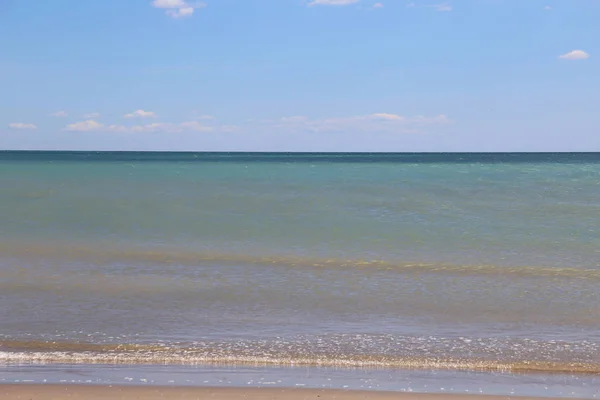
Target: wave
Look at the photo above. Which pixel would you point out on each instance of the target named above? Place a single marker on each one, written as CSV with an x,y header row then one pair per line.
x,y
99,254
153,355
15,352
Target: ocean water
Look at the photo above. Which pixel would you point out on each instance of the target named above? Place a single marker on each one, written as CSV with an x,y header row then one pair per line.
x,y
482,263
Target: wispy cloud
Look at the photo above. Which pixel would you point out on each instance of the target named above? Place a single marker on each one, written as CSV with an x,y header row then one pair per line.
x,y
84,126
60,114
95,126
91,115
575,55
169,3
378,5
332,2
440,7
199,115
378,122
444,7
178,8
191,126
21,125
140,114
180,12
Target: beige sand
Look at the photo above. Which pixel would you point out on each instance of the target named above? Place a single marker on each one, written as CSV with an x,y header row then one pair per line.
x,y
76,392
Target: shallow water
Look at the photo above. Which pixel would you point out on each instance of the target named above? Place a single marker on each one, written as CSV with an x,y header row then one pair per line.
x,y
418,381
435,262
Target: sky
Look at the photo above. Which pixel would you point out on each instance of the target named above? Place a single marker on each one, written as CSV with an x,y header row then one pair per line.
x,y
300,75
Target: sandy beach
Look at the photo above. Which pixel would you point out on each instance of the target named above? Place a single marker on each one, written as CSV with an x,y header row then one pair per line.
x,y
90,392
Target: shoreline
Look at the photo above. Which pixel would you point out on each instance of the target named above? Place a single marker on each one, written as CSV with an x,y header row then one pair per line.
x,y
100,392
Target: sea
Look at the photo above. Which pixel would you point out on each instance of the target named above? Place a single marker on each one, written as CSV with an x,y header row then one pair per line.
x,y
425,272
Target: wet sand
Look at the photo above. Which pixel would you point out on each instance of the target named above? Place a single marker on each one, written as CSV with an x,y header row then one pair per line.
x,y
90,392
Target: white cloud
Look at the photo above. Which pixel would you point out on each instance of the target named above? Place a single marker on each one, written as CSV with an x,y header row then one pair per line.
x,y
195,126
295,119
388,117
575,55
169,3
95,126
140,114
445,7
332,2
177,8
195,114
230,128
154,127
21,125
84,126
547,8
378,122
181,12
60,114
378,5
91,115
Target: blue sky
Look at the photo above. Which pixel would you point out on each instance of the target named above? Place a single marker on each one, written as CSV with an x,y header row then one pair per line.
x,y
300,75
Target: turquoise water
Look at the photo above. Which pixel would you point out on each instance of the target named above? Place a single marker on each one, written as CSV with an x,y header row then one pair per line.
x,y
426,261
389,207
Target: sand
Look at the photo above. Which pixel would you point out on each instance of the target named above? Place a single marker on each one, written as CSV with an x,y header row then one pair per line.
x,y
90,392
